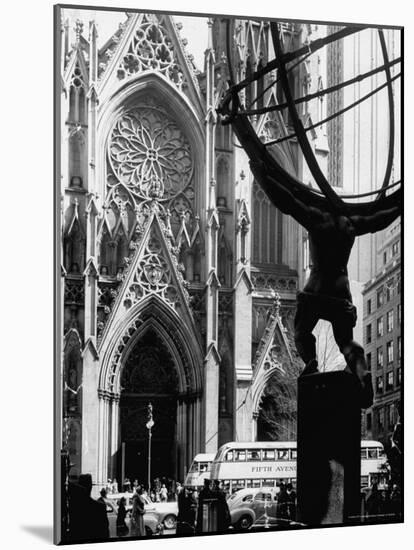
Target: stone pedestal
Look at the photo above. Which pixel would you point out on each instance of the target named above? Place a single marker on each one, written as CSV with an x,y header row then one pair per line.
x,y
328,449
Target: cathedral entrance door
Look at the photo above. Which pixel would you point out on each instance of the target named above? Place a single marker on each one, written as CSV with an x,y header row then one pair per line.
x,y
149,376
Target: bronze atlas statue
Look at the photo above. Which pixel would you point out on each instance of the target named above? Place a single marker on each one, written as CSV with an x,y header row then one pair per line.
x,y
332,223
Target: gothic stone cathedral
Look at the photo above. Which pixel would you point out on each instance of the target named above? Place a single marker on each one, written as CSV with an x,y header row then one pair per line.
x,y
178,278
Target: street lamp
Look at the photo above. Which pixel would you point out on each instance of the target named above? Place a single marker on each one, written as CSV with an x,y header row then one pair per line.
x,y
149,425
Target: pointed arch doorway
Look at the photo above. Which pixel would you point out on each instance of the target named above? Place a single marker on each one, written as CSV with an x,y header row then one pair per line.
x,y
149,374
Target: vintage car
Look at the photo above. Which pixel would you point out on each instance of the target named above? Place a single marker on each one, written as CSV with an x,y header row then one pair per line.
x,y
167,511
153,526
247,506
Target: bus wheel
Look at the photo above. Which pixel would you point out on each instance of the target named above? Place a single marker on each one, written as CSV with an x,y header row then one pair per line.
x,y
244,523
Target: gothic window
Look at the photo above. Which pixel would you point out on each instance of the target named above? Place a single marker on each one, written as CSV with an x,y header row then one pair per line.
x,y
77,98
74,244
151,50
224,262
260,89
149,158
223,182
266,229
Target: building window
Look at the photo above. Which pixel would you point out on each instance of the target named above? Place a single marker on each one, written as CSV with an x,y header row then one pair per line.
x,y
391,420
369,334
380,384
384,257
381,419
399,348
369,307
369,421
369,361
380,297
390,381
395,248
380,326
390,352
398,380
399,285
380,357
399,314
389,289
390,320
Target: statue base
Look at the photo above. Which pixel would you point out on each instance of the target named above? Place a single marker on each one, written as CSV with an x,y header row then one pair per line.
x,y
328,449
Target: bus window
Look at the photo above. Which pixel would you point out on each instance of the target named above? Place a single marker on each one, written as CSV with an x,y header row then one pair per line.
x,y
372,453
239,484
256,483
364,481
293,454
253,455
229,456
363,452
268,483
240,456
283,454
381,452
194,468
268,454
204,467
226,486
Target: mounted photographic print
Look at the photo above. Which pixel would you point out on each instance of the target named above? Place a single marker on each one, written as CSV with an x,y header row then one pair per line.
x,y
228,274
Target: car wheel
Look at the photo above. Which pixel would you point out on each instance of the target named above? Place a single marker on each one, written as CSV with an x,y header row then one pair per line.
x,y
170,521
244,523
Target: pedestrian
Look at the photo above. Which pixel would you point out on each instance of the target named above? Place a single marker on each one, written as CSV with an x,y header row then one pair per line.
x,y
121,526
282,502
223,512
137,514
291,502
109,486
205,494
87,517
395,500
374,501
114,487
186,513
127,485
103,496
164,493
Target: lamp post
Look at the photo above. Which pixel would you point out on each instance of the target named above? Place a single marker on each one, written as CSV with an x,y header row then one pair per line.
x,y
149,425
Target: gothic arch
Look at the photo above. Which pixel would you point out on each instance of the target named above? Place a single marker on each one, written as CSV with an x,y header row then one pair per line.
x,y
259,386
155,85
183,345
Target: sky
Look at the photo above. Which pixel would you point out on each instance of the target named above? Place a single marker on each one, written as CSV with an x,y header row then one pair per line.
x,y
194,28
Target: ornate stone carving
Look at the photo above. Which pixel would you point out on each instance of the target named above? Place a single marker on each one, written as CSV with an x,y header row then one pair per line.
x,y
74,292
271,281
150,159
152,50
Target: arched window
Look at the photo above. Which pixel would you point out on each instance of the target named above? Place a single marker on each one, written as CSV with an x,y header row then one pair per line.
x,y
266,241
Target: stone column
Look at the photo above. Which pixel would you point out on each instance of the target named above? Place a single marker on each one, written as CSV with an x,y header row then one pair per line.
x,y
90,412
211,410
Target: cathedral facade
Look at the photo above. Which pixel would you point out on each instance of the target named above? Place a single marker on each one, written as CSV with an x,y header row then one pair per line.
x,y
178,277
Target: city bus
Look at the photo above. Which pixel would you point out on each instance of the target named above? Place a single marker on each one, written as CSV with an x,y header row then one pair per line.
x,y
258,464
199,470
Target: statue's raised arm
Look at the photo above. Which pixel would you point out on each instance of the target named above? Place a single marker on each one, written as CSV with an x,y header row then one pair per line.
x,y
375,222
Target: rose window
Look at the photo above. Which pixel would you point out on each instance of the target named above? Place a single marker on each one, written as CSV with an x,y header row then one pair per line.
x,y
149,155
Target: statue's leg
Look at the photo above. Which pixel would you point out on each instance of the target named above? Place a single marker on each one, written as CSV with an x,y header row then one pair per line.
x,y
354,357
305,321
